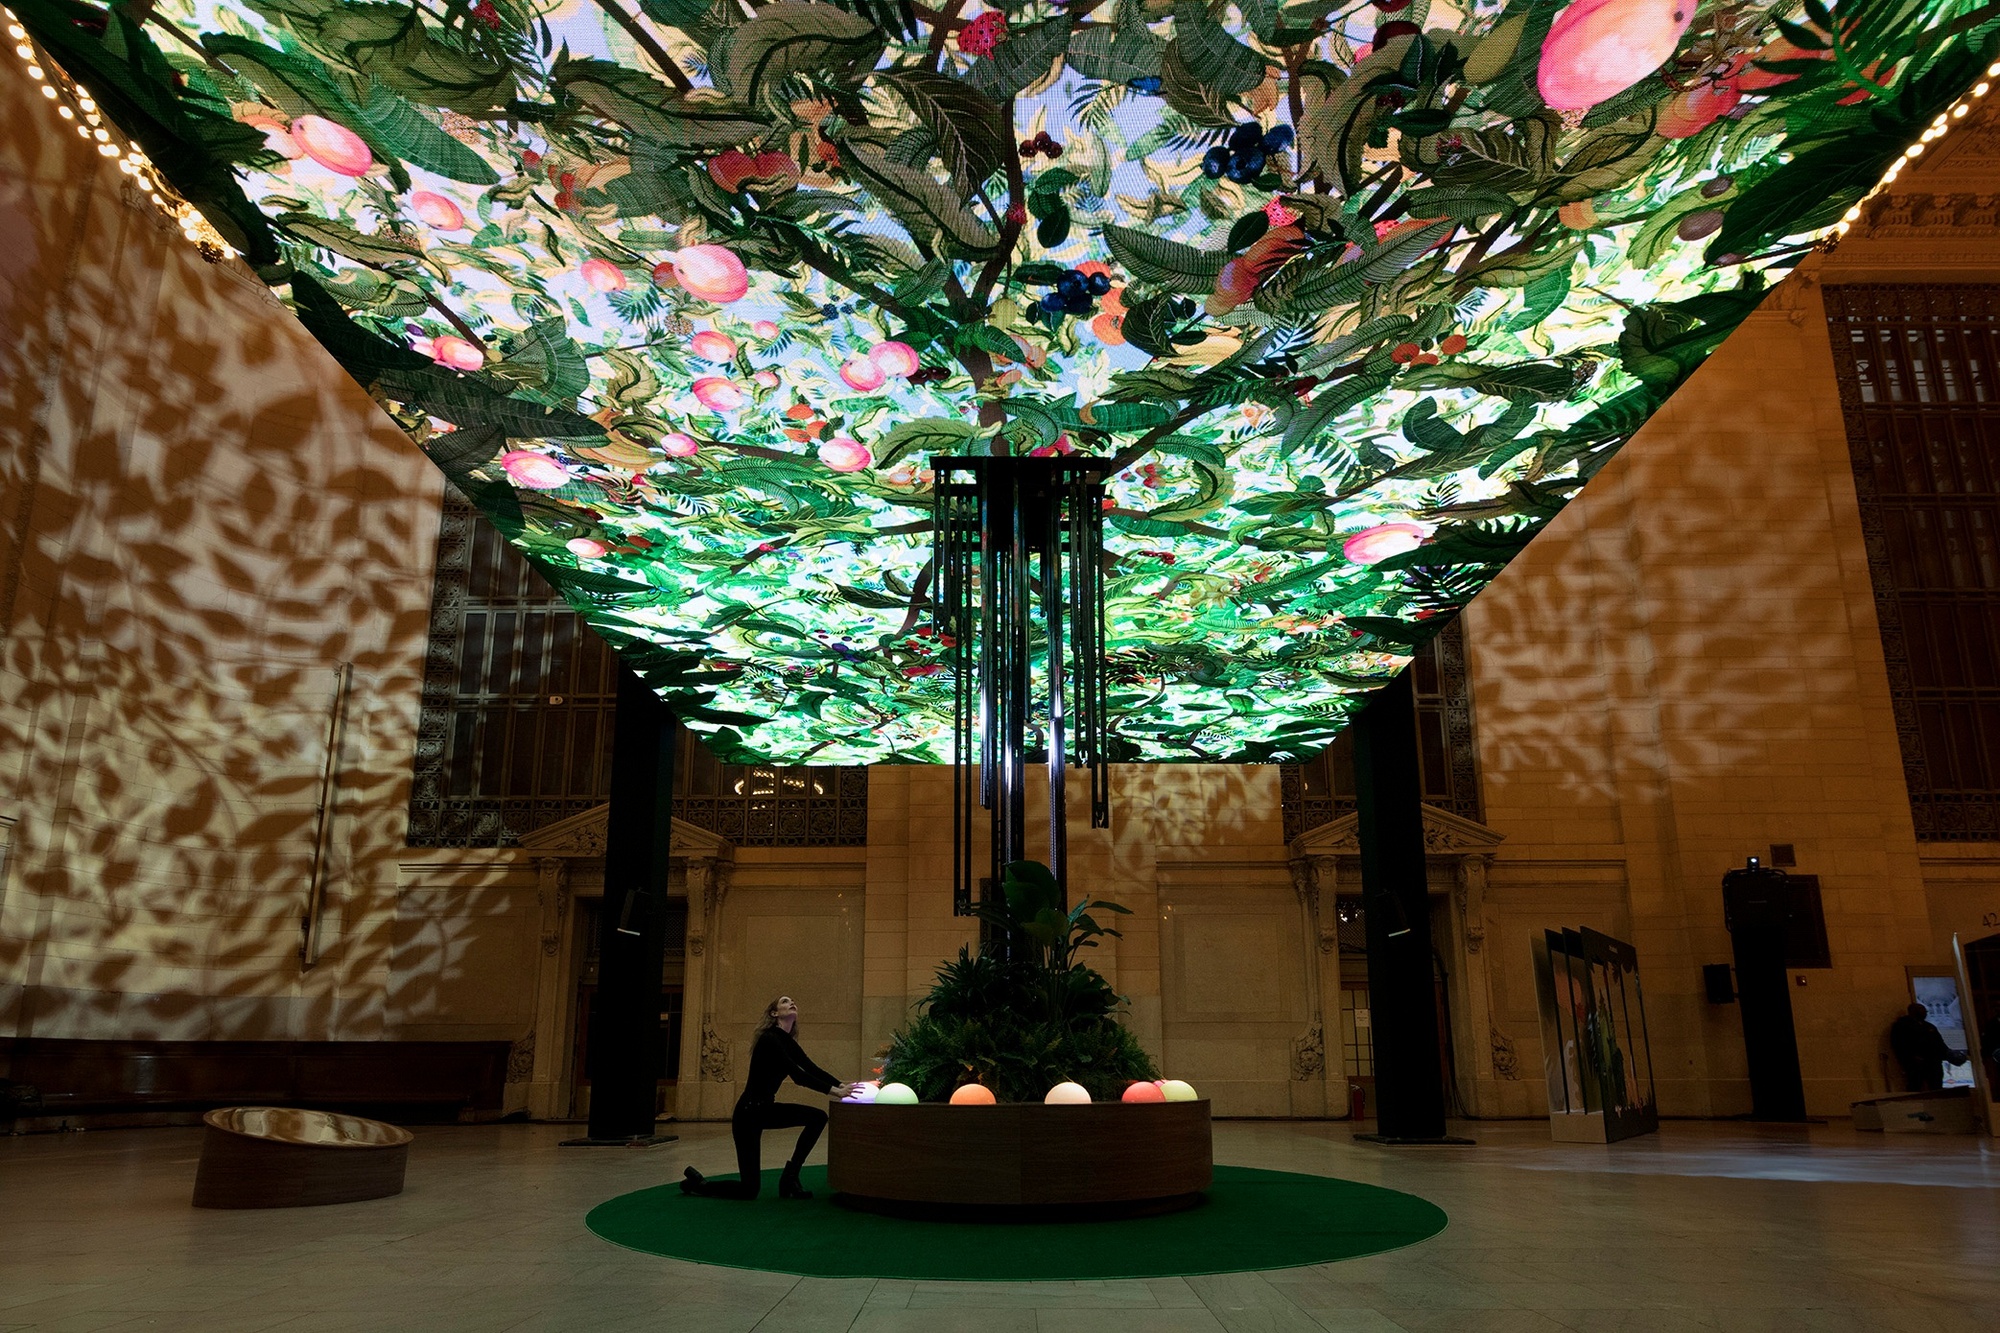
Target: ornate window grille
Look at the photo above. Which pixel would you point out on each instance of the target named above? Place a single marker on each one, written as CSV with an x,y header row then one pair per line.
x,y
1919,374
518,701
1322,790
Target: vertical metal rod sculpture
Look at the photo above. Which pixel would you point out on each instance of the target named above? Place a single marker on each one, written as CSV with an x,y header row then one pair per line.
x,y
1017,541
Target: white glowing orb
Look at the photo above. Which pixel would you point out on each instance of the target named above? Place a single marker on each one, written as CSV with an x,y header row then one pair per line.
x,y
1066,1094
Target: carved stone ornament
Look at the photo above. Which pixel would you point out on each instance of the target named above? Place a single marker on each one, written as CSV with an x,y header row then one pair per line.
x,y
1506,1063
1309,1055
521,1059
714,1056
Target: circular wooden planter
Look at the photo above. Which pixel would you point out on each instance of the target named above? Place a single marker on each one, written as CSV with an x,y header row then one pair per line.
x,y
1021,1158
281,1157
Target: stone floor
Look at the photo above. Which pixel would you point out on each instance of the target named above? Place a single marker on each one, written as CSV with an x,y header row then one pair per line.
x,y
1706,1226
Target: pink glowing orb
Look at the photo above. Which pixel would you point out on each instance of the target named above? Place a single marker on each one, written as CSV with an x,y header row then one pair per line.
x,y
862,1093
1176,1091
973,1094
845,455
452,353
765,329
1143,1092
712,273
437,212
333,146
1066,1094
712,346
862,375
585,547
678,445
1598,48
1379,543
537,472
602,275
718,394
896,359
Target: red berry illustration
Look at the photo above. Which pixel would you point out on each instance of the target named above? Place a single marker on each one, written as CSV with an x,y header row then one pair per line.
x,y
979,37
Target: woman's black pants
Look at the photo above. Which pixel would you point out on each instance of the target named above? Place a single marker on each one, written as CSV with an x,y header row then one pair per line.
x,y
747,1127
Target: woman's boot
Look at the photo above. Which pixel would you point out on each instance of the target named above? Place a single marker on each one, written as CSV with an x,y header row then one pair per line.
x,y
788,1183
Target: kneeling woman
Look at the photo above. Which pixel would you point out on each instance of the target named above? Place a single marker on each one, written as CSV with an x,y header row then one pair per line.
x,y
775,1058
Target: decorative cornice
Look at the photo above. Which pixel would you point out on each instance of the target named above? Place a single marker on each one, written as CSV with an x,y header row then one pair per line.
x,y
1924,214
1445,835
582,835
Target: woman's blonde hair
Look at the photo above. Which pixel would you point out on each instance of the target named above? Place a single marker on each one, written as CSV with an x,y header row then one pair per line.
x,y
771,1019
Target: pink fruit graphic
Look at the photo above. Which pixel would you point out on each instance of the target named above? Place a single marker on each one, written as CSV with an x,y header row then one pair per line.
x,y
712,273
585,547
712,346
602,275
537,472
333,146
453,353
1379,543
766,379
894,358
862,375
765,329
1597,48
845,455
718,394
437,212
678,445
1698,108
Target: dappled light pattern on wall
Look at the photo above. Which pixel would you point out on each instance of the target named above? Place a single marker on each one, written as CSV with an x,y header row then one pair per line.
x,y
201,517
685,298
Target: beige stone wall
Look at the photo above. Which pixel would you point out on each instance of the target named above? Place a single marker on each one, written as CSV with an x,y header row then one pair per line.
x,y
201,517
1686,668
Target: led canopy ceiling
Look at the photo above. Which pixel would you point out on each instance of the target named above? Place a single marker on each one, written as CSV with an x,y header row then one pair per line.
x,y
686,295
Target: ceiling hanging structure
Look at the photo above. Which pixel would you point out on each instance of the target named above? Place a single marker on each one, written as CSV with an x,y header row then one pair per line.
x,y
686,295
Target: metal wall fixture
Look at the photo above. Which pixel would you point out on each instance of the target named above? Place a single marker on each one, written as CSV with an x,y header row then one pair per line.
x,y
1019,559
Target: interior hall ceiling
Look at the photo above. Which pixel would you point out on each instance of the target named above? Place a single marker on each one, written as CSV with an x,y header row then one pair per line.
x,y
685,295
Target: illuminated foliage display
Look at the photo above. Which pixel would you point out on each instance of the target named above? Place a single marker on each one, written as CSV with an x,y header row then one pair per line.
x,y
685,295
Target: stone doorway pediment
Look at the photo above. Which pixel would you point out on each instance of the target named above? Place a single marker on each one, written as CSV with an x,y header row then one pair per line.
x,y
581,836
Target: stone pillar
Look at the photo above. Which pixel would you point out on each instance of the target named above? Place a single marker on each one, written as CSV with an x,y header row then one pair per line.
x,y
704,1055
545,1076
1319,1076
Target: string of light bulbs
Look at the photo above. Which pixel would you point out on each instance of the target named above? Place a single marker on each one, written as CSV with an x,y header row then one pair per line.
x,y
1937,129
76,107
81,110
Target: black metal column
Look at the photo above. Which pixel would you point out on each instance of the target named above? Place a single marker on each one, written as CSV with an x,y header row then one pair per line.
x,y
625,1056
1402,1004
1756,904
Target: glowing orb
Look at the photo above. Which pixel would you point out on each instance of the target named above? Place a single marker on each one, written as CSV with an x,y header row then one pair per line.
x,y
862,1093
333,146
1066,1094
1379,543
1143,1092
537,472
1176,1091
1597,48
437,212
973,1094
896,1094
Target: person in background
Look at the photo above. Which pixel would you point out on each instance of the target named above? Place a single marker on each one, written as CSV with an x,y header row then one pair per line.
x,y
775,1057
1921,1050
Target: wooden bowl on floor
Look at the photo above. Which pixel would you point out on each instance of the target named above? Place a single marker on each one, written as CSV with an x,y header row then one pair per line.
x,y
283,1157
1021,1159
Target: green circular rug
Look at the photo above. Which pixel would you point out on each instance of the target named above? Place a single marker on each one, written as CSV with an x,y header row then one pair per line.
x,y
1251,1220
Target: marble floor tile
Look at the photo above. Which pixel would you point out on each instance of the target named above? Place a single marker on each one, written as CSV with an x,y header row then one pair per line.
x,y
1704,1228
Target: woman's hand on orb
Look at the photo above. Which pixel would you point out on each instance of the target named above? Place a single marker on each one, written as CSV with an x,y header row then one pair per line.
x,y
842,1090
